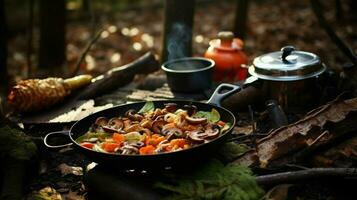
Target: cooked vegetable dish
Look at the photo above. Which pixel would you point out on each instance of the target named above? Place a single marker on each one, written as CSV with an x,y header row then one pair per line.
x,y
154,130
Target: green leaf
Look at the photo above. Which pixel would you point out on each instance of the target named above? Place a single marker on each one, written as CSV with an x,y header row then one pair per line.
x,y
134,137
214,181
100,135
226,127
149,106
212,116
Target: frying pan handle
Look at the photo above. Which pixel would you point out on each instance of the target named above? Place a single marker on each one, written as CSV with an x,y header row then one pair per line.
x,y
221,92
45,140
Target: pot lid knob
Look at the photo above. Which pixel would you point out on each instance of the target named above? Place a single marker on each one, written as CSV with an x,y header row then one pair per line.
x,y
287,50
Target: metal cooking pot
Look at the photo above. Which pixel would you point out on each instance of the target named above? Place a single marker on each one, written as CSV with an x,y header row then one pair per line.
x,y
189,75
290,77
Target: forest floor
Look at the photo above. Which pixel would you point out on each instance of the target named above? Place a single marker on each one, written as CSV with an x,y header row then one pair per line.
x,y
130,33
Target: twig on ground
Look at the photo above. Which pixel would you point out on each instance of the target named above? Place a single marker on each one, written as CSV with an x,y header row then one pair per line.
x,y
294,176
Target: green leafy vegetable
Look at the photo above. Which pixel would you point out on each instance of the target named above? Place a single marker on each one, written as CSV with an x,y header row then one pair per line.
x,y
100,135
226,127
212,116
134,137
214,181
149,106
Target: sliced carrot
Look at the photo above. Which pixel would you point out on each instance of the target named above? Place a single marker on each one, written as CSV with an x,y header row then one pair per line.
x,y
110,146
149,149
154,140
87,145
221,123
178,142
118,138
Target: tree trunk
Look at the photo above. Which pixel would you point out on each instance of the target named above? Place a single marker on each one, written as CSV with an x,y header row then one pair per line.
x,y
177,33
52,35
241,18
3,49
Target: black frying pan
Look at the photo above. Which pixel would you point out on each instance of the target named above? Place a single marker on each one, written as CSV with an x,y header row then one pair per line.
x,y
182,158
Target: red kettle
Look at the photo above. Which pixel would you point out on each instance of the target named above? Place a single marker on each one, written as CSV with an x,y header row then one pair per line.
x,y
227,52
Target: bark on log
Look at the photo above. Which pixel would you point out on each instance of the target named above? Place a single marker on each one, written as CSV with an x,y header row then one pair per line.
x,y
295,140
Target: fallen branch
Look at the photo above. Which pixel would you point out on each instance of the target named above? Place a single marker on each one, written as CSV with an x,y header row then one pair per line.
x,y
289,177
85,51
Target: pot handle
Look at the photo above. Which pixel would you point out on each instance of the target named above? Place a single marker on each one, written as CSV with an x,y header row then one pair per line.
x,y
221,92
45,140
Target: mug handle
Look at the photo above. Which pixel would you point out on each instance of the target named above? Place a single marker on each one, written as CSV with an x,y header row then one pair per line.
x,y
45,140
221,92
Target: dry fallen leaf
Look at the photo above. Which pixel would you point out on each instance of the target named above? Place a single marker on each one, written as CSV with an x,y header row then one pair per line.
x,y
66,169
46,193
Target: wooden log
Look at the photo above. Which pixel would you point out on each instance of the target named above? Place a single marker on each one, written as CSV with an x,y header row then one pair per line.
x,y
290,177
284,144
119,76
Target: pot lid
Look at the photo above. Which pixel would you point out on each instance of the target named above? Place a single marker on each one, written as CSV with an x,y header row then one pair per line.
x,y
287,65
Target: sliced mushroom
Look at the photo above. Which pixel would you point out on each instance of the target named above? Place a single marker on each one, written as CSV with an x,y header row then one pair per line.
x,y
101,121
191,109
212,131
157,126
196,136
146,123
116,123
172,133
171,107
196,120
109,129
133,115
129,150
145,131
137,144
134,127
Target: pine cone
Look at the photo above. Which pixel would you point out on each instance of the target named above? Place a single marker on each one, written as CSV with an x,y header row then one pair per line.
x,y
35,94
